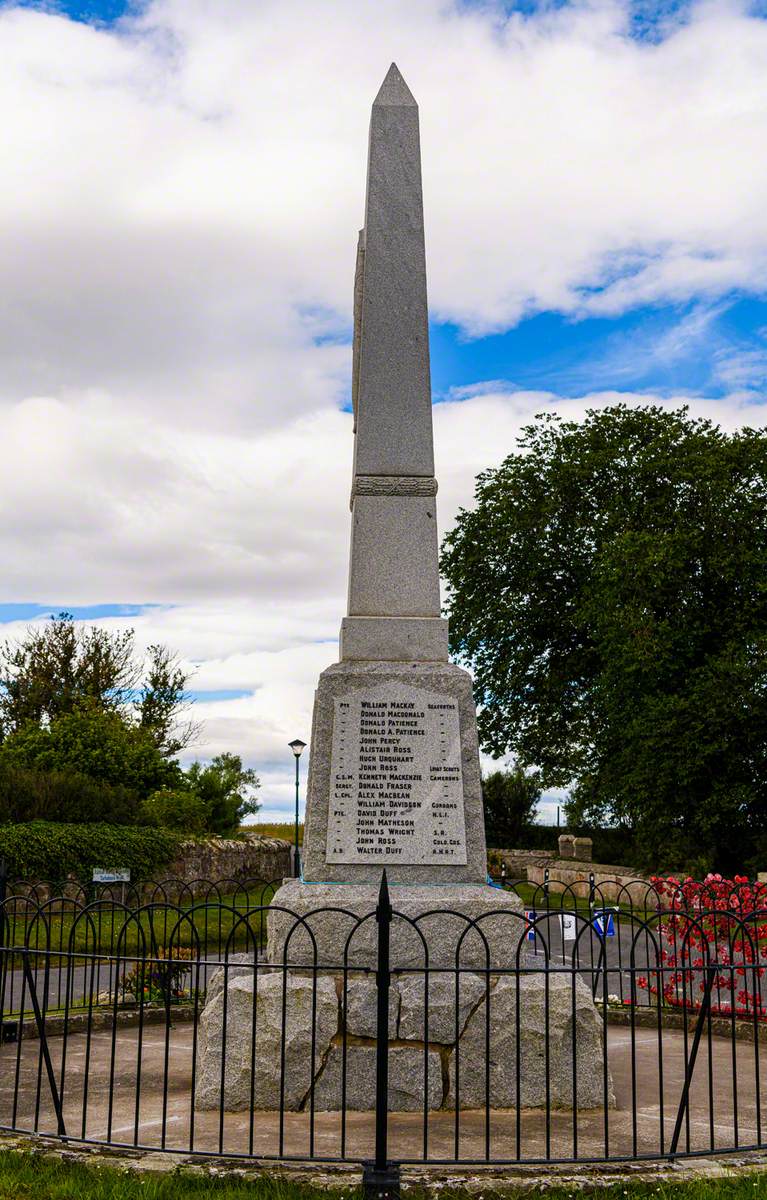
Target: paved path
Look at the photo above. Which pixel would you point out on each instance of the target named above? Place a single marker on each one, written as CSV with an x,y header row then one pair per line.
x,y
155,1115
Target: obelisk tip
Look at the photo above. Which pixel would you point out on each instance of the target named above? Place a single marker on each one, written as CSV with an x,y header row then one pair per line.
x,y
394,92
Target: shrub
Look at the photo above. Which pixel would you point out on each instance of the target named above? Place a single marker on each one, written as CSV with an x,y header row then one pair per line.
x,y
184,811
509,799
62,795
160,980
95,743
226,788
48,851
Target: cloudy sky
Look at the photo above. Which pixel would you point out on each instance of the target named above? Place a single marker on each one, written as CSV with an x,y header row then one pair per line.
x,y
182,182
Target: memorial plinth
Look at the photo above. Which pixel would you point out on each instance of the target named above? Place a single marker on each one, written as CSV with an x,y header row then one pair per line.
x,y
394,762
394,783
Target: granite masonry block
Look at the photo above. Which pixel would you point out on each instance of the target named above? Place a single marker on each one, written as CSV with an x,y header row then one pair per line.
x,y
393,570
467,925
405,640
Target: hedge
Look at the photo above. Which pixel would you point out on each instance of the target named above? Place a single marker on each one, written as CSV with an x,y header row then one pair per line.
x,y
63,795
44,850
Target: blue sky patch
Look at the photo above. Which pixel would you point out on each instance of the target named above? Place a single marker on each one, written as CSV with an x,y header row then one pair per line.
x,y
216,695
709,348
647,20
82,612
92,12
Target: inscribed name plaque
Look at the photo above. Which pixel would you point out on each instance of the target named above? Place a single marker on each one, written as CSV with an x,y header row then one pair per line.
x,y
396,788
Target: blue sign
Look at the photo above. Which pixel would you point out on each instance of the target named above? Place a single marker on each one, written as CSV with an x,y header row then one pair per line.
x,y
604,922
530,915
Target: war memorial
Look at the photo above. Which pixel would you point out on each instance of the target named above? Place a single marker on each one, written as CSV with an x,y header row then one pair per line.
x,y
394,777
389,1002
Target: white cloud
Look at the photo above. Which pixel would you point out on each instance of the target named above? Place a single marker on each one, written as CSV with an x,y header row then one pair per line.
x,y
177,192
108,503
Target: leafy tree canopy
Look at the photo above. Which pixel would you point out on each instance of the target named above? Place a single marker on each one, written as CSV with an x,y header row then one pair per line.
x,y
226,789
28,794
180,809
93,742
61,668
88,726
609,592
509,799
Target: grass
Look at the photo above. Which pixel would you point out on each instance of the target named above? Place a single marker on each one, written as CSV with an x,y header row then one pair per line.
x,y
277,829
32,1177
531,895
37,1177
207,924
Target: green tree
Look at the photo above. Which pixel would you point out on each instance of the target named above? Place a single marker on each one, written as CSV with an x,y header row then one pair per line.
x,y
66,796
226,789
181,810
60,668
509,799
609,592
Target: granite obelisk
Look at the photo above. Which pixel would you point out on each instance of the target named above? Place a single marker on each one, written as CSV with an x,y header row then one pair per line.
x,y
394,610
394,776
394,771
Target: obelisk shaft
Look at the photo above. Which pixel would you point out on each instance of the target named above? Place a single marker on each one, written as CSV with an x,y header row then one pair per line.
x,y
394,775
394,606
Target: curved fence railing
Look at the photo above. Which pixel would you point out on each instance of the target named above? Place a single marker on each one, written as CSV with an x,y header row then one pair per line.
x,y
556,1030
173,890
93,918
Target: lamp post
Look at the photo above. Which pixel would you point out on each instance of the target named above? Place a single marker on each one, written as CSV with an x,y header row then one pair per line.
x,y
297,746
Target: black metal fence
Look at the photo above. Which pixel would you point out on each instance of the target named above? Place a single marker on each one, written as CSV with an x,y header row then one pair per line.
x,y
617,1024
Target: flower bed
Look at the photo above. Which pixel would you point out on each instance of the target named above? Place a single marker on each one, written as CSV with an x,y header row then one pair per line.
x,y
713,937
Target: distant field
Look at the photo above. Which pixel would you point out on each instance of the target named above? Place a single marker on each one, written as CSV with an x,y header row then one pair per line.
x,y
277,829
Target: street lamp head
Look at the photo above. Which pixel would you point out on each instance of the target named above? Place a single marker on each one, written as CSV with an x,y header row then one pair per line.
x,y
297,746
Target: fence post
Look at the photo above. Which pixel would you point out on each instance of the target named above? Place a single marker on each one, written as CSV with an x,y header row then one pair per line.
x,y
43,1036
381,1178
4,917
6,1028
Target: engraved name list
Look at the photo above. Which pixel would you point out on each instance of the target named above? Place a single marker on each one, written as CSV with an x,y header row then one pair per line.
x,y
396,789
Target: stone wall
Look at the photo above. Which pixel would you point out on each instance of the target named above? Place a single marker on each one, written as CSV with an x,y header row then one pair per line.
x,y
215,859
197,865
195,868
612,883
517,862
